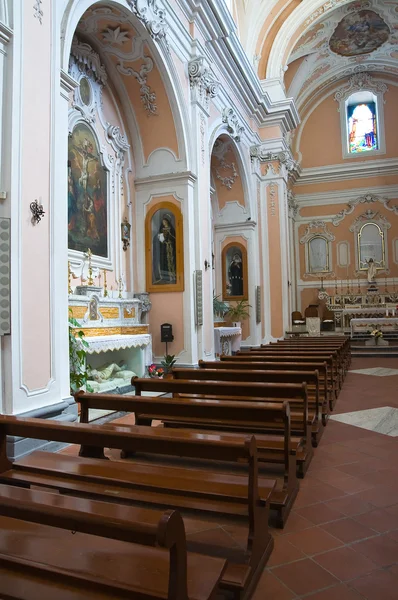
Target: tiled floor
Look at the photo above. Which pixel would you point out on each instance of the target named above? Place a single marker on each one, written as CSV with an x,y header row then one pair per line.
x,y
341,539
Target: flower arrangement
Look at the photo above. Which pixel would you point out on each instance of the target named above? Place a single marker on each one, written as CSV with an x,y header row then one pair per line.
x,y
376,333
156,372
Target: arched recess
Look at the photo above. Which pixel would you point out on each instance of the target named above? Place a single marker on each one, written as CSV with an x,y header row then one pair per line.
x,y
232,223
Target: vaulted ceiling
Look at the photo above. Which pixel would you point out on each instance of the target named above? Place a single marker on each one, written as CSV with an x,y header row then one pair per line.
x,y
311,44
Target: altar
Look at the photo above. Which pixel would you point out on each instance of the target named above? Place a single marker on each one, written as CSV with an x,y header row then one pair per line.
x,y
227,340
350,305
365,325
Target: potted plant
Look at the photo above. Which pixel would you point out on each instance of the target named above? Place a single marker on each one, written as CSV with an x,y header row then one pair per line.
x,y
220,308
77,358
168,362
238,312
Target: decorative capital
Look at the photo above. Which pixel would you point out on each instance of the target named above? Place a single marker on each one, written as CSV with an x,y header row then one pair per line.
x,y
357,83
152,16
88,61
230,118
202,79
282,158
292,204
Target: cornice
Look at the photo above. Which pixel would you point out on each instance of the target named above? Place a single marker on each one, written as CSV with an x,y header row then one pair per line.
x,y
183,177
349,170
344,196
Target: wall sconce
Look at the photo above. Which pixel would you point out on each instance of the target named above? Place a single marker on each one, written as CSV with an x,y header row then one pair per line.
x,y
37,212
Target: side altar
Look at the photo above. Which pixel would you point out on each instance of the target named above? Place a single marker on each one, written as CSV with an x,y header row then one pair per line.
x,y
369,305
119,344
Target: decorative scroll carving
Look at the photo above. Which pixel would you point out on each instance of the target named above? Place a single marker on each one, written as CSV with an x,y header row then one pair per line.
x,y
117,140
370,216
358,82
292,204
284,158
148,96
88,61
230,118
152,16
115,36
316,228
38,12
202,128
366,199
202,79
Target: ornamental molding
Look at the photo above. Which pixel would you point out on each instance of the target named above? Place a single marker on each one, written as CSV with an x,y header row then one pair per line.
x,y
117,140
153,17
202,80
283,157
350,170
366,199
317,228
292,204
37,11
370,216
359,82
88,61
148,96
227,181
230,118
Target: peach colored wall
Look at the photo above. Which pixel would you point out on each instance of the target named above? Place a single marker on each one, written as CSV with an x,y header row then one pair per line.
x,y
346,184
321,142
35,175
275,265
342,233
292,70
167,307
224,194
268,133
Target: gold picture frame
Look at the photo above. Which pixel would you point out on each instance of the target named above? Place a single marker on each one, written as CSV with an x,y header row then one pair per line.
x,y
164,248
234,272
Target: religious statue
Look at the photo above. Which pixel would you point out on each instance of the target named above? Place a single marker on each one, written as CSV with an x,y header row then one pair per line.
x,y
371,270
110,371
235,275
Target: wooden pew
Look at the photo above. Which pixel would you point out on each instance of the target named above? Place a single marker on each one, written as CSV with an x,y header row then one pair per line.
x,y
342,348
311,378
271,450
153,564
243,392
325,386
292,358
197,493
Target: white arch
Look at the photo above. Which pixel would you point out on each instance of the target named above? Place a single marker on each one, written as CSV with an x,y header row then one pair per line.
x,y
70,15
310,9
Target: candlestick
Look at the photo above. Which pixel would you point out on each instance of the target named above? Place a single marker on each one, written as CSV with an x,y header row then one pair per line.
x,y
105,288
120,281
90,269
385,284
359,286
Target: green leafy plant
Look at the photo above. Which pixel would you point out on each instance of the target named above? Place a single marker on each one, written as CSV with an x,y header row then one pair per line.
x,y
239,311
168,362
220,308
77,358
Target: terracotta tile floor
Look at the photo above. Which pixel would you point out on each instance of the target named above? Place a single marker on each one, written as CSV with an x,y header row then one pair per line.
x,y
341,539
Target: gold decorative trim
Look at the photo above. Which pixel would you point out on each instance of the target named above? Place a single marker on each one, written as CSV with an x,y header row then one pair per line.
x,y
101,331
220,324
129,314
78,312
110,312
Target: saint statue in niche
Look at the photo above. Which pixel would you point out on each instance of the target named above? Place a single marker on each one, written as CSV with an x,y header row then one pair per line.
x,y
163,248
371,270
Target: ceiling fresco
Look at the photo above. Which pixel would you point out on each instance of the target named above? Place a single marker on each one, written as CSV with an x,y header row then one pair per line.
x,y
358,36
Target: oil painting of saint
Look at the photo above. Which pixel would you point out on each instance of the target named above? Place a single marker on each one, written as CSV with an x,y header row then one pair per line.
x,y
163,248
234,272
87,194
358,33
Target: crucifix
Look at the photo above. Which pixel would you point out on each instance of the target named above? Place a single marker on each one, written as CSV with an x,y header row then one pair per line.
x,y
90,268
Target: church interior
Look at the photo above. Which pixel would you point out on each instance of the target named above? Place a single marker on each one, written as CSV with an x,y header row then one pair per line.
x,y
198,299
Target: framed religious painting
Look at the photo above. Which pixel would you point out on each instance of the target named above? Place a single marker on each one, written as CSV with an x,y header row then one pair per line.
x,y
87,194
164,249
234,272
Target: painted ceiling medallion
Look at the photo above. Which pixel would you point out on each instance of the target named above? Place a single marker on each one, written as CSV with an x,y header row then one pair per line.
x,y
358,33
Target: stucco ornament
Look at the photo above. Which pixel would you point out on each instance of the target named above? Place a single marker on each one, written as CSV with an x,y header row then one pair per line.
x,y
38,12
314,228
153,17
115,36
148,96
358,82
292,204
117,140
230,118
366,199
202,79
229,180
88,61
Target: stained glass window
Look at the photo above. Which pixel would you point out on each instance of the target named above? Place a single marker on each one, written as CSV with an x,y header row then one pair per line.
x,y
362,127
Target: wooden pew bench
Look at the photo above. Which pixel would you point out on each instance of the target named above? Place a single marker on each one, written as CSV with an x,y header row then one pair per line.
x,y
196,493
244,392
343,355
152,559
325,388
276,453
293,358
311,378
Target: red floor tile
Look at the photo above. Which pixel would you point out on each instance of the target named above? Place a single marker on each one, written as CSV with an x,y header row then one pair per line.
x,y
382,550
284,552
345,563
304,576
312,541
379,520
379,585
270,588
319,513
347,530
350,505
337,592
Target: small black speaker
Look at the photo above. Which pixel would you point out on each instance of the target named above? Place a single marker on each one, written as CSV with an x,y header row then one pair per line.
x,y
166,332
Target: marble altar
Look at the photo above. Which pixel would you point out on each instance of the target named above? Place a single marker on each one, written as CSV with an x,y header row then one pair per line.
x,y
227,340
